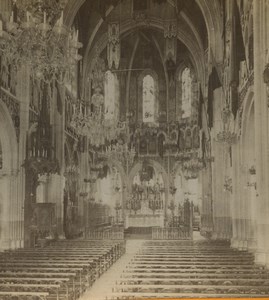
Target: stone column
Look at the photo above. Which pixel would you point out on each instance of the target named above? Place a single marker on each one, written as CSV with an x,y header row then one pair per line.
x,y
221,196
235,205
5,230
23,95
252,226
15,211
220,171
55,192
206,211
260,21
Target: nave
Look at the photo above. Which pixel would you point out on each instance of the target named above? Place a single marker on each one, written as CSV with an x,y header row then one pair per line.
x,y
181,269
91,269
128,124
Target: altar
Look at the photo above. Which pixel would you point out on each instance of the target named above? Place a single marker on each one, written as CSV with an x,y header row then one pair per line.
x,y
142,220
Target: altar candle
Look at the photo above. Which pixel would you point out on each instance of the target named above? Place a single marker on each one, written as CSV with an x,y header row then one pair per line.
x,y
27,16
61,18
1,28
12,17
45,18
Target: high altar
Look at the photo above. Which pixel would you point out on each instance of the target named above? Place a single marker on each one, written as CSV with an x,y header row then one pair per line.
x,y
145,208
141,220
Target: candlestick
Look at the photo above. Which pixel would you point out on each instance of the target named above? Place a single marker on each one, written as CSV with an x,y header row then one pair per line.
x,y
1,28
27,16
12,17
61,18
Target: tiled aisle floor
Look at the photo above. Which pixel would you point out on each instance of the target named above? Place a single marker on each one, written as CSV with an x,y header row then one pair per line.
x,y
102,288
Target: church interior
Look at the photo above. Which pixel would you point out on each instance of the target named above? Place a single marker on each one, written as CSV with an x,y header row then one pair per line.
x,y
134,149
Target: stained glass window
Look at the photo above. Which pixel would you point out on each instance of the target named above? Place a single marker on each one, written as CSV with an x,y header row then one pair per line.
x,y
186,80
148,99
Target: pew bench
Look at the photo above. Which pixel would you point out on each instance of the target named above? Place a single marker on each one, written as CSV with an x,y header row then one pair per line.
x,y
217,289
54,290
193,274
152,295
24,295
196,281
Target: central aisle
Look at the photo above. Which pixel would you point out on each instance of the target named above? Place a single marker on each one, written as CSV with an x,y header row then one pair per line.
x,y
102,287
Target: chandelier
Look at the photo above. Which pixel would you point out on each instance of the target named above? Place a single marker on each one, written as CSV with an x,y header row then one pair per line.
x,y
191,167
186,155
36,36
119,152
94,125
226,136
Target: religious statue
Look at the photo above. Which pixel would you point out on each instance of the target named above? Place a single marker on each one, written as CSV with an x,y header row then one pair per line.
x,y
98,100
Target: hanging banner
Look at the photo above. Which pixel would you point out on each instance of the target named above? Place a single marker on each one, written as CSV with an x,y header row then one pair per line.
x,y
113,46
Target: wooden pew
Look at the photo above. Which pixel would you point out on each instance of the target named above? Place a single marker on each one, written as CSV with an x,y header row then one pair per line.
x,y
68,266
196,281
24,295
153,295
202,289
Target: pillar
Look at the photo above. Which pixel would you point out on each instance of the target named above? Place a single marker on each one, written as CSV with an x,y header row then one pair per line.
x,y
261,46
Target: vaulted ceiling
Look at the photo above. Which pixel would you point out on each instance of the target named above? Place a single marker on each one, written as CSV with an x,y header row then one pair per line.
x,y
196,20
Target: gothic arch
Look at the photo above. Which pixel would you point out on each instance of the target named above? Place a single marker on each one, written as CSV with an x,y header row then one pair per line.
x,y
196,53
212,17
157,166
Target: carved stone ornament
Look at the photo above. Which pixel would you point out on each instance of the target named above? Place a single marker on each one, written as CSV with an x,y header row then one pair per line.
x,y
170,29
141,18
171,49
266,81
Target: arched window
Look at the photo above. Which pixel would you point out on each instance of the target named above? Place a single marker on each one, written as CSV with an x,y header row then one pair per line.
x,y
186,80
149,91
111,96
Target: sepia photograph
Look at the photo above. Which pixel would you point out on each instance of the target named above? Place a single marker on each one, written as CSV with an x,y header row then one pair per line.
x,y
134,149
